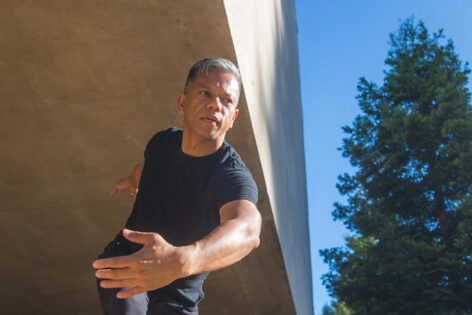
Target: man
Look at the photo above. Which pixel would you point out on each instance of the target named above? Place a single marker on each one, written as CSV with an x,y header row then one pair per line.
x,y
194,210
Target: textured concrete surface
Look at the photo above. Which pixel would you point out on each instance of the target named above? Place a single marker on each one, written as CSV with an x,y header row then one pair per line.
x,y
84,86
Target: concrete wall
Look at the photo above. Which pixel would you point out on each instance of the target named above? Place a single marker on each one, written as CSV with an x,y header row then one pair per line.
x,y
265,39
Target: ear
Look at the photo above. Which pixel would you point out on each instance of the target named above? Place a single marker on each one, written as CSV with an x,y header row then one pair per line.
x,y
180,103
236,112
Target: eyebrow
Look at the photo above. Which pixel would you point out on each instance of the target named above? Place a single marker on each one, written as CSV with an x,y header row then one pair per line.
x,y
205,86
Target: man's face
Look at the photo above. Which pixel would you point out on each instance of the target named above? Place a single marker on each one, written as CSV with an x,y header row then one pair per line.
x,y
209,105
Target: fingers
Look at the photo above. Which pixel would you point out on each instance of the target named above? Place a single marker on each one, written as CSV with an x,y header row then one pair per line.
x,y
114,274
110,284
114,189
119,185
130,292
123,184
144,238
133,192
113,262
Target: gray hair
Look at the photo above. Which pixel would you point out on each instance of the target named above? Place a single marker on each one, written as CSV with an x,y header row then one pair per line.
x,y
221,64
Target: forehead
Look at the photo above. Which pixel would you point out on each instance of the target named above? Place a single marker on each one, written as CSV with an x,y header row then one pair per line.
x,y
218,80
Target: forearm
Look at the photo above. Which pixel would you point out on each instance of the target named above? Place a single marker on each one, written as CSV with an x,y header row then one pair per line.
x,y
135,176
227,244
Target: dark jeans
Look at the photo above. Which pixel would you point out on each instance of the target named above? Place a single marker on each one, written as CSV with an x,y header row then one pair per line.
x,y
136,305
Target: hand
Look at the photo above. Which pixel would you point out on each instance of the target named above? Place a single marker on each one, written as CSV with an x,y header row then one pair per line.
x,y
154,266
125,184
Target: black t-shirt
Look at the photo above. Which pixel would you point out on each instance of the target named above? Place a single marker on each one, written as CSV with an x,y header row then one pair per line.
x,y
180,196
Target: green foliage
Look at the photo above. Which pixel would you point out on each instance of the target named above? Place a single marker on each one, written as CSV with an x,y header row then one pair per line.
x,y
409,203
336,309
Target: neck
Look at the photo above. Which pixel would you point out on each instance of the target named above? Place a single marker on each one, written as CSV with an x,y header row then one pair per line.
x,y
200,147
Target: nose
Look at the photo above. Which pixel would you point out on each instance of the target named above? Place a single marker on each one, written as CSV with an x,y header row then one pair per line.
x,y
214,104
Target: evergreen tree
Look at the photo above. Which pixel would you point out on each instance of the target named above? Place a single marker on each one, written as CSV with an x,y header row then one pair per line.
x,y
409,203
335,309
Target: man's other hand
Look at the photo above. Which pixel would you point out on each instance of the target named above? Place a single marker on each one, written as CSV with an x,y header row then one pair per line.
x,y
130,183
155,265
127,185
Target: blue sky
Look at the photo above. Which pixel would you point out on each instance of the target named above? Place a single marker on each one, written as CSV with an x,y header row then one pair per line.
x,y
340,41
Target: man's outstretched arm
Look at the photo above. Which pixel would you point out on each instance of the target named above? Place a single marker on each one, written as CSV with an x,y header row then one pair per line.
x,y
159,263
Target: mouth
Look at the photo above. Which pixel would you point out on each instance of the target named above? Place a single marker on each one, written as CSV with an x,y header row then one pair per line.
x,y
210,120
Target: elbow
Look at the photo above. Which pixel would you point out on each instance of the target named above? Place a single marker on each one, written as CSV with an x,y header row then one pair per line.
x,y
256,242
253,240
255,231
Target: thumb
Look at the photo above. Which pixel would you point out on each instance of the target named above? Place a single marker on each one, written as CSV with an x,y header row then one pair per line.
x,y
144,238
113,189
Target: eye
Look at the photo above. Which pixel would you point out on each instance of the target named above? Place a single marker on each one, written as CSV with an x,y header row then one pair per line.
x,y
204,92
228,100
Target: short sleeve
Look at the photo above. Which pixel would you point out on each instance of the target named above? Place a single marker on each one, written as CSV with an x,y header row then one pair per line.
x,y
153,145
160,139
235,184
